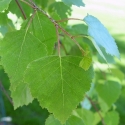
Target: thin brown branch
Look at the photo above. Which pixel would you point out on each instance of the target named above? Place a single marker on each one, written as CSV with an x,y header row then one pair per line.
x,y
28,3
68,19
97,110
21,9
6,94
73,39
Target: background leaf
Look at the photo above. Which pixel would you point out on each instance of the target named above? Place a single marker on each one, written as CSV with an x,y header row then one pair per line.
x,y
78,117
112,118
13,8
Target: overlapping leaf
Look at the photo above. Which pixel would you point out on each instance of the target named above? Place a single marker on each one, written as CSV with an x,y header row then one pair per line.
x,y
74,2
112,118
58,83
108,93
17,50
101,36
78,117
4,4
44,30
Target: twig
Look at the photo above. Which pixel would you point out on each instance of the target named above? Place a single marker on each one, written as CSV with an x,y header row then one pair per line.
x,y
80,35
93,104
31,19
21,9
68,19
72,37
6,94
57,33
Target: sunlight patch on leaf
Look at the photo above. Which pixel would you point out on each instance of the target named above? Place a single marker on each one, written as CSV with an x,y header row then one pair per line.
x,y
86,62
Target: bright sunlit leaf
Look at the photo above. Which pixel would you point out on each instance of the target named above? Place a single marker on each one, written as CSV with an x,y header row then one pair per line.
x,y
78,117
101,36
74,2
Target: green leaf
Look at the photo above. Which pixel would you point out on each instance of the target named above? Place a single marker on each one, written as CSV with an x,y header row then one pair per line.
x,y
4,4
101,36
58,83
17,50
21,95
52,121
13,8
74,2
42,3
109,58
3,19
44,30
97,117
63,12
85,115
73,120
5,24
120,104
78,117
108,93
79,29
86,62
112,118
56,17
118,74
